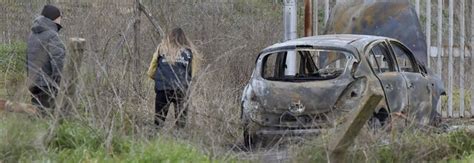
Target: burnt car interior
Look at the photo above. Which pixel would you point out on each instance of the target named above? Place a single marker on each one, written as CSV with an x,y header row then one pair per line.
x,y
406,61
379,60
311,64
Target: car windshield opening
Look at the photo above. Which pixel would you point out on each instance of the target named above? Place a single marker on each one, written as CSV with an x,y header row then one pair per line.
x,y
304,65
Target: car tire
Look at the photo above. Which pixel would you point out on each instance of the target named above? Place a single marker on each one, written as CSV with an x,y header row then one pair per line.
x,y
436,117
250,138
380,119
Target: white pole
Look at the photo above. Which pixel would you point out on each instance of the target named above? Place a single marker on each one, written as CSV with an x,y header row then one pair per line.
x,y
428,31
326,12
290,17
461,69
417,8
440,43
451,61
315,17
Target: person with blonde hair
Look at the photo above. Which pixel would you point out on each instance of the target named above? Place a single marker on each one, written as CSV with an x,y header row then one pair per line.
x,y
172,68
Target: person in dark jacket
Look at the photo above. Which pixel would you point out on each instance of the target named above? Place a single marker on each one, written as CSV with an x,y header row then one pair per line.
x,y
45,57
172,68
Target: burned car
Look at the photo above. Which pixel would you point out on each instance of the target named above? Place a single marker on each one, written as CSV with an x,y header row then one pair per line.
x,y
301,86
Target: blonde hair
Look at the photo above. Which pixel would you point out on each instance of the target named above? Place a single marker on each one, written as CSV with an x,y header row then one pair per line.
x,y
172,45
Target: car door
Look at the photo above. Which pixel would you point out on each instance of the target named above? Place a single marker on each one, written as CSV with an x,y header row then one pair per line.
x,y
418,84
384,66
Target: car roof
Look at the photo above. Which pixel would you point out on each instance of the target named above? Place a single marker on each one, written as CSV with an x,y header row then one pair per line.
x,y
344,41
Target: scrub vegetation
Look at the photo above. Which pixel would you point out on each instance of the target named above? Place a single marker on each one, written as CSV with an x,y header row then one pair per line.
x,y
410,145
112,120
25,139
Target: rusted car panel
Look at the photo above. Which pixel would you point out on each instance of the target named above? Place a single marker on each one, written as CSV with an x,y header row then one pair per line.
x,y
310,100
390,18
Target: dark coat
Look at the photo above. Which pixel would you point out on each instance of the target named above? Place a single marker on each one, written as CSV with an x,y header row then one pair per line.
x,y
45,54
174,76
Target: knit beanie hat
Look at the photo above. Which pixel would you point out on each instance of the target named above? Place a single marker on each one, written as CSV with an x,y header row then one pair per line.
x,y
51,12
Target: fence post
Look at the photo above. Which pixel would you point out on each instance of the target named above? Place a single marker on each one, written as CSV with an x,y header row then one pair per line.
x,y
315,17
326,12
428,31
344,135
71,73
450,60
417,8
440,43
472,59
461,68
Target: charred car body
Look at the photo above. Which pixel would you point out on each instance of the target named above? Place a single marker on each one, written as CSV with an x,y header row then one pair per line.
x,y
332,73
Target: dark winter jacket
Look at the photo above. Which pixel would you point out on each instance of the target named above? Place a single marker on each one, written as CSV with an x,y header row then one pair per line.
x,y
174,76
45,54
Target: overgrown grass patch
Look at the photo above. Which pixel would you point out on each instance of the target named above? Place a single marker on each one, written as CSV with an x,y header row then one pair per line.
x,y
12,67
22,138
457,100
13,57
408,146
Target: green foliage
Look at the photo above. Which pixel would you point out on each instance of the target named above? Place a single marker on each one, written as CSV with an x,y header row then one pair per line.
x,y
13,57
409,146
72,135
461,143
457,100
165,150
20,137
12,67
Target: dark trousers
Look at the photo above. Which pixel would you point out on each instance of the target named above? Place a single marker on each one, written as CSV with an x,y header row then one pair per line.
x,y
162,102
43,98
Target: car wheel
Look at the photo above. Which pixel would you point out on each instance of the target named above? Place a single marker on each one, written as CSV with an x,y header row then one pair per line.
x,y
379,119
436,117
250,138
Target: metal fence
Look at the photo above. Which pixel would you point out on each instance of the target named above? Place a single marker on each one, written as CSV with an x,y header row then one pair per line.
x,y
451,51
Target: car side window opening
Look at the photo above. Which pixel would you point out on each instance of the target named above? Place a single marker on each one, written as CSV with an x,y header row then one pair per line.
x,y
405,62
379,59
270,70
310,65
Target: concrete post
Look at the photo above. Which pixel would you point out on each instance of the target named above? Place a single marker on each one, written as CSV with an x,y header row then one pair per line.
x,y
450,59
354,121
461,68
440,43
71,74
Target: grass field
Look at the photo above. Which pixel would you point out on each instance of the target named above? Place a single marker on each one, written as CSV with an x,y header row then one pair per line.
x,y
25,139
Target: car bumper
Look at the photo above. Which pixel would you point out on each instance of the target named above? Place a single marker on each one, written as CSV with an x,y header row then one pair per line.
x,y
289,132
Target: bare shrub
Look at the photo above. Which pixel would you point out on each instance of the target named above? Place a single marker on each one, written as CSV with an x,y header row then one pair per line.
x,y
114,93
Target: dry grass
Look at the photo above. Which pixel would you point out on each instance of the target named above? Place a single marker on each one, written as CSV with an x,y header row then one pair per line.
x,y
114,94
408,145
116,98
